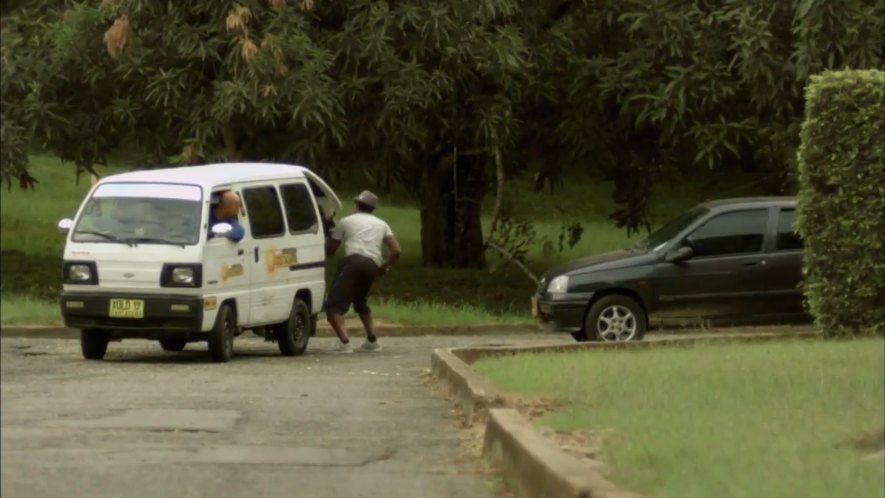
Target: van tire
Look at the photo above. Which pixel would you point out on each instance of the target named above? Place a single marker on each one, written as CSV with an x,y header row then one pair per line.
x,y
173,345
94,343
293,334
221,337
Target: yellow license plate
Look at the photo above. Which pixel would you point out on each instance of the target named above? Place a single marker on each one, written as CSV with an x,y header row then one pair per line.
x,y
534,307
126,308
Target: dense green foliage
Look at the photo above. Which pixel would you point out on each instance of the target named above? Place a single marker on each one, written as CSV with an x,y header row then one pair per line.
x,y
430,94
841,212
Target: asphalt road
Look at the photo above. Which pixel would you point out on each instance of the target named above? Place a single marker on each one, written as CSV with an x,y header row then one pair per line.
x,y
146,423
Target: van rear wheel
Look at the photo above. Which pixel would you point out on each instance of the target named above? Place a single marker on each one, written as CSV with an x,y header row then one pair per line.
x,y
221,337
94,343
293,334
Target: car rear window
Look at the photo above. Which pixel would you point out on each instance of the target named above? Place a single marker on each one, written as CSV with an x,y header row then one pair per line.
x,y
787,238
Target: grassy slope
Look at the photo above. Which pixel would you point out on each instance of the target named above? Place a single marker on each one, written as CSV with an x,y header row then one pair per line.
x,y
32,246
724,421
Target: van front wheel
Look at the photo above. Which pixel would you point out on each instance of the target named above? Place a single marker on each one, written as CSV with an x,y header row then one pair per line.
x,y
221,337
293,334
94,343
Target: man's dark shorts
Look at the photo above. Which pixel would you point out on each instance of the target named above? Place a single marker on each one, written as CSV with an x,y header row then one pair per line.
x,y
351,285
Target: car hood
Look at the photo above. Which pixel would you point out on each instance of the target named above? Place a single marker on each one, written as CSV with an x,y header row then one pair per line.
x,y
606,261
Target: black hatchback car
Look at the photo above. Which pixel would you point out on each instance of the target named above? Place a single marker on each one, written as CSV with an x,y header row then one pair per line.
x,y
733,258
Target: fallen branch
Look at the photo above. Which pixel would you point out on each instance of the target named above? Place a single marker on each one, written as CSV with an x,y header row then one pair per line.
x,y
515,261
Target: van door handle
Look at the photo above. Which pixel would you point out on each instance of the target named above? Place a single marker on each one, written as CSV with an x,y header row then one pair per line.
x,y
241,251
256,254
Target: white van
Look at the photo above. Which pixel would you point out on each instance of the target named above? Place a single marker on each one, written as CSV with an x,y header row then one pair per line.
x,y
141,260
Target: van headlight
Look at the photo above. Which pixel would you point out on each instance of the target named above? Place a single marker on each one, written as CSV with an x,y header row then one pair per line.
x,y
80,273
558,285
181,275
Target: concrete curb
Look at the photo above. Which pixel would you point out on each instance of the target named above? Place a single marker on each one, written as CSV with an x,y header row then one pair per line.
x,y
57,332
472,392
533,466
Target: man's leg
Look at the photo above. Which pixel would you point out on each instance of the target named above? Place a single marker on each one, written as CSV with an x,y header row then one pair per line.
x,y
338,301
361,306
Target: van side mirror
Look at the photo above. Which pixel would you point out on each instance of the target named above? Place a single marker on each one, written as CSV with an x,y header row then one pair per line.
x,y
65,225
679,255
221,229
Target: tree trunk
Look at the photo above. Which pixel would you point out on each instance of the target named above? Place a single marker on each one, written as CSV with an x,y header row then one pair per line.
x,y
451,208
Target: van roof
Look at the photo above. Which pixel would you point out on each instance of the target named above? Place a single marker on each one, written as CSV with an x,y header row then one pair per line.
x,y
211,175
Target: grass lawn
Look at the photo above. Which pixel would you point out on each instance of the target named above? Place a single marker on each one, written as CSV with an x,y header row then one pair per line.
x,y
739,420
32,247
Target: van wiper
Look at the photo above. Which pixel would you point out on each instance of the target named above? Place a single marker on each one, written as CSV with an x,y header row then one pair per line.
x,y
108,236
155,240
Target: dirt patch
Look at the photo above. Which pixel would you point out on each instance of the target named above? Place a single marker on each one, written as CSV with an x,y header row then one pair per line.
x,y
872,443
533,408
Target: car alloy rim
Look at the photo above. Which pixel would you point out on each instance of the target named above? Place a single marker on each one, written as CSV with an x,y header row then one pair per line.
x,y
616,324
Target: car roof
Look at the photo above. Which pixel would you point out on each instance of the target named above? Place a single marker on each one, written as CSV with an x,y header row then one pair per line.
x,y
211,175
739,202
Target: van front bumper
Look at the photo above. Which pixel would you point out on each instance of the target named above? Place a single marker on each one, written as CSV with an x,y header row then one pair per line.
x,y
162,314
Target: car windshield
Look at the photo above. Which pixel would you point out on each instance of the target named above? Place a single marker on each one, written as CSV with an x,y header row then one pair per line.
x,y
660,237
149,213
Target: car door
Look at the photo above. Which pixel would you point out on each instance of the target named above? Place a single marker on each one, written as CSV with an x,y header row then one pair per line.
x,y
783,274
721,277
270,297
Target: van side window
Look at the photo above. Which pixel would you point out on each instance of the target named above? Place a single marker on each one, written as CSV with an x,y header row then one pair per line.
x,y
787,238
265,215
300,211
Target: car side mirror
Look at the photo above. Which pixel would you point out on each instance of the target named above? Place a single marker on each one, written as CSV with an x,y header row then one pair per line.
x,y
65,225
221,229
681,254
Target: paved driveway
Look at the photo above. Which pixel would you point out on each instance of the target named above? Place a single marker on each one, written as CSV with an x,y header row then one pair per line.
x,y
149,423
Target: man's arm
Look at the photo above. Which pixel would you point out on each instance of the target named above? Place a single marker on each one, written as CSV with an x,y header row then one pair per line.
x,y
237,231
332,245
393,252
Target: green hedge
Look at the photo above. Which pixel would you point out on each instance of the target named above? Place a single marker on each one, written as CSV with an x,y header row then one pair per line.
x,y
841,212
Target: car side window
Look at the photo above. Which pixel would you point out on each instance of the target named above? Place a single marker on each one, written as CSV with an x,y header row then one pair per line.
x,y
739,232
265,215
787,238
300,211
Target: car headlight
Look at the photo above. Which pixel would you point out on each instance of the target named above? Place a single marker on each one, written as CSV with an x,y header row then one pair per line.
x,y
183,276
79,273
558,285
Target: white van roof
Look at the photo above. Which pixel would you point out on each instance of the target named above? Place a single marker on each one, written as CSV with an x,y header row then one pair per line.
x,y
212,175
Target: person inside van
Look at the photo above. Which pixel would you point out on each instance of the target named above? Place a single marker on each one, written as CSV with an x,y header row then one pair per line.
x,y
364,235
225,209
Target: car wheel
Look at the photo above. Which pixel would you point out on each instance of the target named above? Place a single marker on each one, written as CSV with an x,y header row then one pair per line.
x,y
293,334
173,345
94,343
221,337
615,318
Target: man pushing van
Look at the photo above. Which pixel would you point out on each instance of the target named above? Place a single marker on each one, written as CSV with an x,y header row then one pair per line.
x,y
364,236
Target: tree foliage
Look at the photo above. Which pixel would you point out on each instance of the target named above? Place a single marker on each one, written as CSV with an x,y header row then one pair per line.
x,y
430,92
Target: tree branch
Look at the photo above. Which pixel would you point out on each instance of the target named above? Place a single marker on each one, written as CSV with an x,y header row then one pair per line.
x,y
515,261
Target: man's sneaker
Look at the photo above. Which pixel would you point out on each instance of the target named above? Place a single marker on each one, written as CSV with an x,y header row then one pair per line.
x,y
370,346
341,348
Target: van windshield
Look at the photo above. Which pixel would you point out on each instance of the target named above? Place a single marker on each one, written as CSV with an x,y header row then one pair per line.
x,y
135,213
